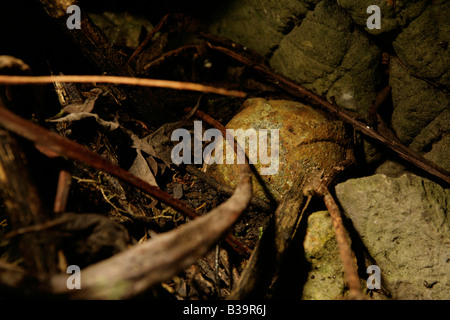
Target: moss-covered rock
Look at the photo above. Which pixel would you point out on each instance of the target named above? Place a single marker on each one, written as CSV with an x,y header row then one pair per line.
x,y
326,275
258,24
421,118
423,44
394,14
307,138
331,58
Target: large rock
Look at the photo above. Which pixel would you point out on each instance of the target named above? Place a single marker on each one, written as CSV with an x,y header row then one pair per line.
x,y
421,118
312,42
421,29
305,138
259,24
416,103
327,55
423,44
404,224
394,14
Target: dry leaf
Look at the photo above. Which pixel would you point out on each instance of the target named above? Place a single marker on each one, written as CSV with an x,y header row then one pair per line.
x,y
86,106
140,169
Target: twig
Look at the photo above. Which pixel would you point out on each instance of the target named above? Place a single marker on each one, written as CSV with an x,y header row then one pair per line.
x,y
216,270
255,202
130,272
163,22
167,20
37,227
169,84
133,271
62,146
75,151
297,90
319,186
62,191
172,53
23,205
344,247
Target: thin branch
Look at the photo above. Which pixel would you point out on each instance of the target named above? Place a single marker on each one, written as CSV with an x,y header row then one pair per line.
x,y
255,202
319,187
62,191
132,271
345,251
67,148
163,22
170,54
37,227
169,84
297,90
62,146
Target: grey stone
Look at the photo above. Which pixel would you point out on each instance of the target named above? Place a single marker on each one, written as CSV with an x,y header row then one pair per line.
x,y
416,103
404,224
440,152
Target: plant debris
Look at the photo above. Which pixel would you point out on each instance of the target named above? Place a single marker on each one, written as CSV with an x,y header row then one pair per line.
x,y
88,178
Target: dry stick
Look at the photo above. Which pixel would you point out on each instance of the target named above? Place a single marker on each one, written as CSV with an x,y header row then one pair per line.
x,y
216,124
37,227
131,272
62,146
23,206
344,247
299,91
163,22
62,191
255,202
140,267
172,53
169,84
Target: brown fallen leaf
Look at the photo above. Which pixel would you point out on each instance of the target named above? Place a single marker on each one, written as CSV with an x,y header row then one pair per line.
x,y
141,169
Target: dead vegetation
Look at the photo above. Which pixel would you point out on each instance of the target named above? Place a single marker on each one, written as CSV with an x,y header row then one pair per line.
x,y
96,186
